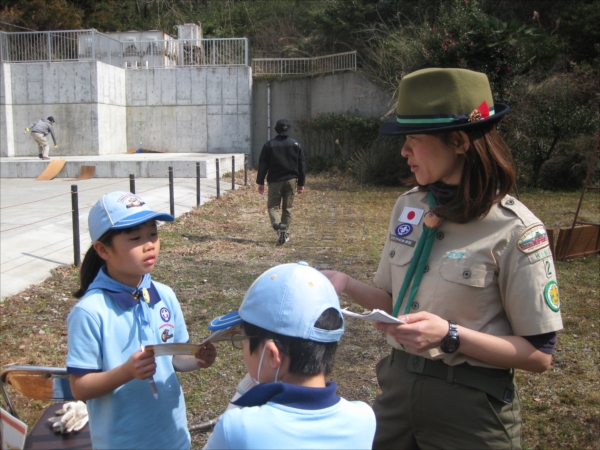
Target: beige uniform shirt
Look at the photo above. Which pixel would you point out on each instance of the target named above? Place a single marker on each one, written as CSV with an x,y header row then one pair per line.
x,y
495,275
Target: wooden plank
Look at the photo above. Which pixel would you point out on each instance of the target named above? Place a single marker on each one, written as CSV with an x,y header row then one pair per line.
x,y
584,241
85,173
51,170
550,232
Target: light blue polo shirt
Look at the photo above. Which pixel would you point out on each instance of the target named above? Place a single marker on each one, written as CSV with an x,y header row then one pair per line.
x,y
287,416
104,330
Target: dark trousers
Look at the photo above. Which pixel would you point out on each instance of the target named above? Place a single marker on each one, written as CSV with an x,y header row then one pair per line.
x,y
417,411
281,195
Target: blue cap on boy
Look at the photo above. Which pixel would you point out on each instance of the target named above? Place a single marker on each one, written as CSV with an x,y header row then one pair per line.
x,y
287,299
118,210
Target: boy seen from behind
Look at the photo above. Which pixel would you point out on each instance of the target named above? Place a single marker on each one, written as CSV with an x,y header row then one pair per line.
x,y
291,324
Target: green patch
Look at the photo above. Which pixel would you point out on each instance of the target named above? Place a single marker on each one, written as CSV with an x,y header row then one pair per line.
x,y
551,295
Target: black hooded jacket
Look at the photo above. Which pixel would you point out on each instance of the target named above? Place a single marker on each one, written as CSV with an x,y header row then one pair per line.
x,y
282,158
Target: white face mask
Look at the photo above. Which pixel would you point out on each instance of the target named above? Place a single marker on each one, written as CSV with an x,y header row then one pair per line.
x,y
260,364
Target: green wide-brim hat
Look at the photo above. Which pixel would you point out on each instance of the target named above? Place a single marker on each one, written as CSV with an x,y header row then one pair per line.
x,y
441,100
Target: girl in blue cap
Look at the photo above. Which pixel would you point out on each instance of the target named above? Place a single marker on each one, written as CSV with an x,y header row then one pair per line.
x,y
134,399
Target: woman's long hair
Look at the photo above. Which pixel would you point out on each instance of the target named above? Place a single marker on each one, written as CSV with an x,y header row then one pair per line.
x,y
488,174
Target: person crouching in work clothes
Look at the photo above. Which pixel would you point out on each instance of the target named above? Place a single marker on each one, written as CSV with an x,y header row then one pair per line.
x,y
39,131
282,162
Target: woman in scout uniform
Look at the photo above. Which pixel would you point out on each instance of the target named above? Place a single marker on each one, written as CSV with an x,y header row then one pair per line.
x,y
466,266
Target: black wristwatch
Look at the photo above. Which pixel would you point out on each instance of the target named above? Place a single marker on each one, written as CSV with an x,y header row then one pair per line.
x,y
451,342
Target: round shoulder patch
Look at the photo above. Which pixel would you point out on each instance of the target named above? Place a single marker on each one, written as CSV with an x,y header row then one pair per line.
x,y
533,239
551,295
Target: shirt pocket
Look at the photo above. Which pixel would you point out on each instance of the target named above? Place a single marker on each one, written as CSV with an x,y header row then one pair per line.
x,y
467,273
400,255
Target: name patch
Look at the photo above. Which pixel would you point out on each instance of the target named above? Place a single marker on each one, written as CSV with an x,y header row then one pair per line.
x,y
533,239
543,253
402,240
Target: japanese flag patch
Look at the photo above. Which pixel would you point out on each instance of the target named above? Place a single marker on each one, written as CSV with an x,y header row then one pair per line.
x,y
411,215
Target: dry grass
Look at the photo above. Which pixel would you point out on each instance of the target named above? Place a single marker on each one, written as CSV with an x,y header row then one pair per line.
x,y
211,255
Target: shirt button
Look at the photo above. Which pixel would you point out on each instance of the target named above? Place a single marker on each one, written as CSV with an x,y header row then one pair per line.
x,y
425,269
466,273
440,235
392,254
510,202
415,305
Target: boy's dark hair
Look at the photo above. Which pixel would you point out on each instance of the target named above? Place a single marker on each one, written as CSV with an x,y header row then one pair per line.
x,y
92,263
307,357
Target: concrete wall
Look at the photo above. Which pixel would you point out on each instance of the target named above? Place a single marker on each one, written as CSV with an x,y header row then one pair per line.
x,y
7,142
292,99
190,109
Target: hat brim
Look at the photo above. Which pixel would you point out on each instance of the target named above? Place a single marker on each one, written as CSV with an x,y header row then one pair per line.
x,y
393,128
226,321
140,218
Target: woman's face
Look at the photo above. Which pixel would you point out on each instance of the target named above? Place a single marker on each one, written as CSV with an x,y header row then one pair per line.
x,y
431,160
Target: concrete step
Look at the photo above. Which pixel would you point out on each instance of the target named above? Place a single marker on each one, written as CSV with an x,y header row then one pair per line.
x,y
147,165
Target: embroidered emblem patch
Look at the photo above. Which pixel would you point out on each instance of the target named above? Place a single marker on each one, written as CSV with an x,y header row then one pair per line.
x,y
165,314
533,239
402,240
551,295
411,215
165,336
543,253
456,255
404,229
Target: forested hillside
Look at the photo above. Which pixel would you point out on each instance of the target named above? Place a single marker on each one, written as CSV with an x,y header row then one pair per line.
x,y
541,56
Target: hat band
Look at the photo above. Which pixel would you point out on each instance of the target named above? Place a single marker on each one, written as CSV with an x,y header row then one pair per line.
x,y
482,112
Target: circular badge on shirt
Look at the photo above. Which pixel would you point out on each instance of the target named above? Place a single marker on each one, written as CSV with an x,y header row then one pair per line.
x,y
404,229
551,295
165,314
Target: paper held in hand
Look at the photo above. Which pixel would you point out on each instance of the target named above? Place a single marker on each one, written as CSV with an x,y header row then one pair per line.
x,y
377,315
192,349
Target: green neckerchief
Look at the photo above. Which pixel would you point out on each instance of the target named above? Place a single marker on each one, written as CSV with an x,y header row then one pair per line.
x,y
417,264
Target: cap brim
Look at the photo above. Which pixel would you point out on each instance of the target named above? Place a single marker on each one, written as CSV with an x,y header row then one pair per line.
x,y
226,321
140,218
393,128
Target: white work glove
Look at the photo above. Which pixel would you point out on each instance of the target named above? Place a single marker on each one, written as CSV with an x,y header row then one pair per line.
x,y
72,417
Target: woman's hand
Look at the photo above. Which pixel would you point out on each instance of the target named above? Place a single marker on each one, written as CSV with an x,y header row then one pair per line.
x,y
141,365
206,356
422,331
338,279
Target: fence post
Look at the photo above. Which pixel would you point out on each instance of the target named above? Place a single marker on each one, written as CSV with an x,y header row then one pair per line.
x,y
217,177
49,44
171,191
233,173
245,170
93,47
198,199
132,183
75,215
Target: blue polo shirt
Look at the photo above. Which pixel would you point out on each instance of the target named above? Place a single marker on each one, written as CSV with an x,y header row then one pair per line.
x,y
104,329
287,416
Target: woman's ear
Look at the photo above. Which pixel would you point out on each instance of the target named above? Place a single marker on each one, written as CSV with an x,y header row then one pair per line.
x,y
461,142
102,250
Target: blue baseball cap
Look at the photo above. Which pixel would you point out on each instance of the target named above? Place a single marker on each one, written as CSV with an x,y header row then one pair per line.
x,y
287,299
120,210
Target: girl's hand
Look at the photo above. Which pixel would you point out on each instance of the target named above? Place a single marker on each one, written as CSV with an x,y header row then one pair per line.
x,y
206,356
141,365
338,279
422,331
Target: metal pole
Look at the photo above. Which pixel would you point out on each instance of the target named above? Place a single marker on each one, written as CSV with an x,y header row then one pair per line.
x,y
171,191
49,46
75,215
218,178
233,173
132,183
198,198
93,47
245,170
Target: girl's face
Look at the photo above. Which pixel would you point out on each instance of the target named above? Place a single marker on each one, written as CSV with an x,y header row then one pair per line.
x,y
431,160
132,253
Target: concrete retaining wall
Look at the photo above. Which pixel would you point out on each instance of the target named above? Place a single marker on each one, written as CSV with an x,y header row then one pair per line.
x,y
349,92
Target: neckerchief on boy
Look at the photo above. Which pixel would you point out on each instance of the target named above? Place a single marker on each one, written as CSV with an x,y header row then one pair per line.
x,y
144,296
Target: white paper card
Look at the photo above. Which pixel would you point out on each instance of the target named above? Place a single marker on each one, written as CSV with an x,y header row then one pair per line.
x,y
13,431
377,315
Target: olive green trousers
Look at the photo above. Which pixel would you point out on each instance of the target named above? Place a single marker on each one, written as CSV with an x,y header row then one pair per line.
x,y
281,197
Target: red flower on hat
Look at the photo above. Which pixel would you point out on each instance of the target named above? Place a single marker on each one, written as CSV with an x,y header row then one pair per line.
x,y
482,112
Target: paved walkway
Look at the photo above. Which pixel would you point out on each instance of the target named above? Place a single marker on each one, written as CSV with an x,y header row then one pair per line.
x,y
36,232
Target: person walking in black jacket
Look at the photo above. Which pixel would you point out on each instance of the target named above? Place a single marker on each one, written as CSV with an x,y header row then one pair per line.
x,y
282,162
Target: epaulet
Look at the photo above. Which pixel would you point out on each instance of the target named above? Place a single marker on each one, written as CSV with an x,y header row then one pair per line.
x,y
520,210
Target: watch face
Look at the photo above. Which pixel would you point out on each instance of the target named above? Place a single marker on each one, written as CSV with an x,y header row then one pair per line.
x,y
450,344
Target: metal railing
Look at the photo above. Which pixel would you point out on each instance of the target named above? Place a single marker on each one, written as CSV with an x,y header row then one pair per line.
x,y
91,45
304,66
